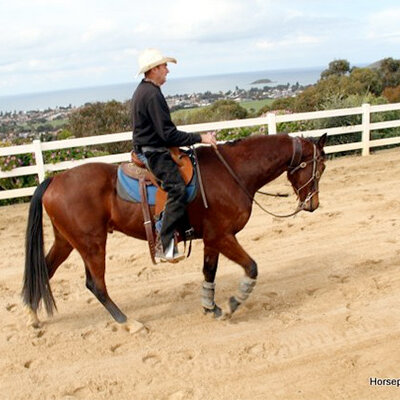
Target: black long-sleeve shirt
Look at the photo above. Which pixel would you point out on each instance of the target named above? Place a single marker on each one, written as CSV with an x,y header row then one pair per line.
x,y
152,124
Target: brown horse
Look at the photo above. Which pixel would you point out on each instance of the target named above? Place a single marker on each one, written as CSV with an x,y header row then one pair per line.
x,y
83,206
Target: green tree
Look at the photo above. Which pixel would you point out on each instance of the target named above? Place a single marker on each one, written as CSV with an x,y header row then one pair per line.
x,y
100,119
227,109
337,83
283,103
64,134
389,70
364,80
220,110
44,127
336,67
311,98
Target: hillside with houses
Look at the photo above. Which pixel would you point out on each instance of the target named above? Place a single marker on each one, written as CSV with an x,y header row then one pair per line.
x,y
25,125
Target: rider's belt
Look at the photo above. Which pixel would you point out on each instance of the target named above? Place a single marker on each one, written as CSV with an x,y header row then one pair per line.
x,y
160,149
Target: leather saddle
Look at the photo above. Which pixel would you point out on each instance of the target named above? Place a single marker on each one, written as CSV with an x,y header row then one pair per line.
x,y
136,169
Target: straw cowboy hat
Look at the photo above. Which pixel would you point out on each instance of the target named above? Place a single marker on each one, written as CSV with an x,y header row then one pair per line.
x,y
151,58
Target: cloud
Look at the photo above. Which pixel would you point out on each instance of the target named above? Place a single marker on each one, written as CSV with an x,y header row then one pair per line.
x,y
384,25
99,29
195,20
73,42
288,42
209,21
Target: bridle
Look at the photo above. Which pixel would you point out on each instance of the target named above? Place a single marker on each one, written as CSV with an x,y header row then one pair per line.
x,y
296,157
295,165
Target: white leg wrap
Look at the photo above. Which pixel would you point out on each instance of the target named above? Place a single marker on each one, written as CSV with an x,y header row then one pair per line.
x,y
207,295
246,286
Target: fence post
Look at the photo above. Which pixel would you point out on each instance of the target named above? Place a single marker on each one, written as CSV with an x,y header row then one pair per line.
x,y
366,116
39,159
271,118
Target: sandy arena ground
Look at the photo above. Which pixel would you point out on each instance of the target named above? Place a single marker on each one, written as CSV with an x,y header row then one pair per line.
x,y
323,319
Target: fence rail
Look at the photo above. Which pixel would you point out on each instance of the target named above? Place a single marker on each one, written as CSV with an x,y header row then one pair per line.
x,y
271,120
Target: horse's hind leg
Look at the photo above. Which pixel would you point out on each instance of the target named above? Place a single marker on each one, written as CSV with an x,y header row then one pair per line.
x,y
208,289
58,253
95,269
231,248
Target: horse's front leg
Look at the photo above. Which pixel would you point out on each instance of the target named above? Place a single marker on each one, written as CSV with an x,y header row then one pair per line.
x,y
231,248
208,289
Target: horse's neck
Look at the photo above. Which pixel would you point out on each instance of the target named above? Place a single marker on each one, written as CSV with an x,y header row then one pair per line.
x,y
261,160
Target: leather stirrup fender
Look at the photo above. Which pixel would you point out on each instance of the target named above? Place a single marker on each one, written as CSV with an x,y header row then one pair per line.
x,y
148,221
182,160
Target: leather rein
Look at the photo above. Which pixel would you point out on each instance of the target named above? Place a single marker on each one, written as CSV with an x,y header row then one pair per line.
x,y
294,166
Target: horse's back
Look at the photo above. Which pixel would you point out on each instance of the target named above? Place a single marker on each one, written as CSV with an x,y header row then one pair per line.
x,y
81,188
90,172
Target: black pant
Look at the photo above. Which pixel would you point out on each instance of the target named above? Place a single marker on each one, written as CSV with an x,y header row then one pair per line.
x,y
169,178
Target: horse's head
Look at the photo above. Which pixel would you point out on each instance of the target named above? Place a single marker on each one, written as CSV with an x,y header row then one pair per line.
x,y
305,170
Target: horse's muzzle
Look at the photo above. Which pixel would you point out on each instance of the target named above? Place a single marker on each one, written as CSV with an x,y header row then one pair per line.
x,y
311,203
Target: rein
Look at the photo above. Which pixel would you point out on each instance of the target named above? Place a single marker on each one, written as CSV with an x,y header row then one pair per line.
x,y
294,166
239,182
273,194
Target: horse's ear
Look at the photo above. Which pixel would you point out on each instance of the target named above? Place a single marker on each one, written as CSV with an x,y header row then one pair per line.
x,y
322,140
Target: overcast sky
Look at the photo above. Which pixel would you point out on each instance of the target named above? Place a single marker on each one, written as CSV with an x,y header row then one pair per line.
x,y
57,44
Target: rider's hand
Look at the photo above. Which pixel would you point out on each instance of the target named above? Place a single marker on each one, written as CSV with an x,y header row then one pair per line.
x,y
209,138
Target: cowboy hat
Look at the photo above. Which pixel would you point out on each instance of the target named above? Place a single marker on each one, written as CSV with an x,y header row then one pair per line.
x,y
151,58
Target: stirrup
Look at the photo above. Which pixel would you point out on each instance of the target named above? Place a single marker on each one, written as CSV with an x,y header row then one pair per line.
x,y
171,253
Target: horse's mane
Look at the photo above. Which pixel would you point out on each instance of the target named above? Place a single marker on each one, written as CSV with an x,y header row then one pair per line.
x,y
253,138
235,142
257,137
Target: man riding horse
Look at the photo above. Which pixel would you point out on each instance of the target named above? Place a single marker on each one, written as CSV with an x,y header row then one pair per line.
x,y
153,133
82,215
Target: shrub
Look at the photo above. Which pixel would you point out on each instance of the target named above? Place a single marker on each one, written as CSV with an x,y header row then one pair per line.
x,y
103,118
392,94
221,110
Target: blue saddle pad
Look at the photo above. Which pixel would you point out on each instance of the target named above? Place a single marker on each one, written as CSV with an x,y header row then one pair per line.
x,y
128,189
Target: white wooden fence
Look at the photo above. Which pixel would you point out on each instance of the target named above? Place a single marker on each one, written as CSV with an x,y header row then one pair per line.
x,y
40,169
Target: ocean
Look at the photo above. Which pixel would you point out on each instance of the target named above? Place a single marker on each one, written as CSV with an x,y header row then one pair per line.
x,y
173,86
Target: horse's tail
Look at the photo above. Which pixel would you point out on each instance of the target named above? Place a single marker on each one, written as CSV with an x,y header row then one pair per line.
x,y
36,285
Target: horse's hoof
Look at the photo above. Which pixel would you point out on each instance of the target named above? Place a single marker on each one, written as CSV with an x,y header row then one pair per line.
x,y
233,305
35,324
135,327
33,320
120,318
225,315
215,312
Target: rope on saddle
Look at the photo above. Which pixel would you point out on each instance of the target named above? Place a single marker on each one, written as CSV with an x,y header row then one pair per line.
x,y
148,222
240,183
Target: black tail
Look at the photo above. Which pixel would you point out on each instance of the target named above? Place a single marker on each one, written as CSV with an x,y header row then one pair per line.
x,y
36,277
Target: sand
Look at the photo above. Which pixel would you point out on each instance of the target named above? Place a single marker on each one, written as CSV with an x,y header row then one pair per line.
x,y
322,321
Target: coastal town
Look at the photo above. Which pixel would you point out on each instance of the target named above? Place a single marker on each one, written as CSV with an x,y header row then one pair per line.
x,y
24,125
31,124
239,95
